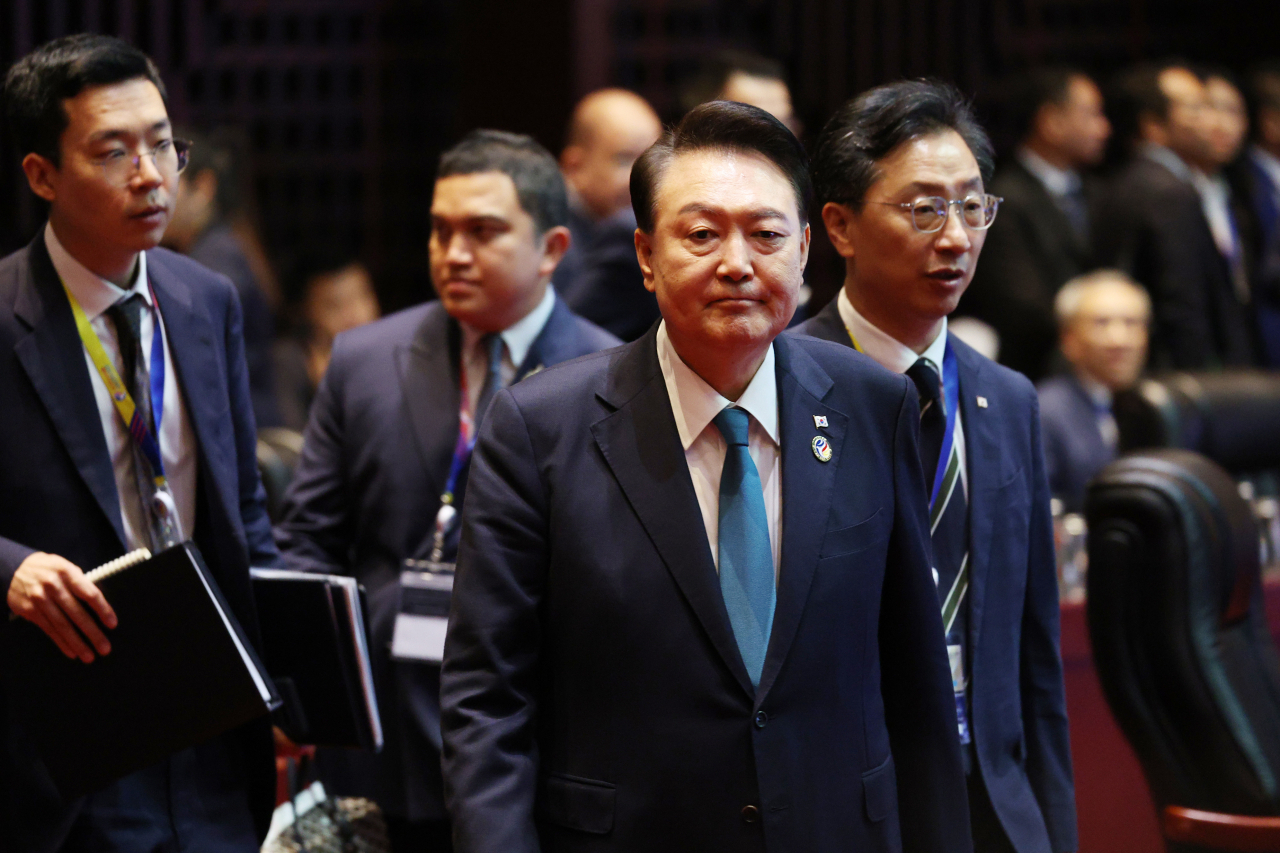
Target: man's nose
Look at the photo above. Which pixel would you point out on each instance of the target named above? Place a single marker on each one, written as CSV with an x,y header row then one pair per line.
x,y
954,237
457,250
735,259
148,174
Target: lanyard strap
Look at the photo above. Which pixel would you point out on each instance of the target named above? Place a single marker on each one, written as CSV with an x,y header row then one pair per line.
x,y
951,399
143,433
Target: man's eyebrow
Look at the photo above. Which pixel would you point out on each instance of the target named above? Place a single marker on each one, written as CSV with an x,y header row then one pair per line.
x,y
758,213
117,133
934,187
474,219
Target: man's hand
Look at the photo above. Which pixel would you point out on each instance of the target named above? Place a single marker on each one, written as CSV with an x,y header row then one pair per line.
x,y
47,590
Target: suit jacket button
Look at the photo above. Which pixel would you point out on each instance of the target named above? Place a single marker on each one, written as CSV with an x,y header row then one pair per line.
x,y
750,814
762,719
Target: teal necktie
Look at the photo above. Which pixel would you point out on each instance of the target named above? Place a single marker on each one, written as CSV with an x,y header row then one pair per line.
x,y
746,559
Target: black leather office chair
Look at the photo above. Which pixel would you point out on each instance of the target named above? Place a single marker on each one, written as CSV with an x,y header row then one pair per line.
x,y
1231,417
1181,645
278,451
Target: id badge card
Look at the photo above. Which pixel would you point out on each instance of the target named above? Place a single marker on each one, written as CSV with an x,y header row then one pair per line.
x,y
959,684
425,591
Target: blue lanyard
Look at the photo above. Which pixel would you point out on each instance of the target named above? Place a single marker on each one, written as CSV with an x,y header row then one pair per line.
x,y
951,397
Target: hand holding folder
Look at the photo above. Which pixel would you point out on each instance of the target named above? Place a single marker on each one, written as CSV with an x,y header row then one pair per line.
x,y
180,671
47,590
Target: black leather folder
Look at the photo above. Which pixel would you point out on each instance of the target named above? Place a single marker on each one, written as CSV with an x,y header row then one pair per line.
x,y
180,671
316,649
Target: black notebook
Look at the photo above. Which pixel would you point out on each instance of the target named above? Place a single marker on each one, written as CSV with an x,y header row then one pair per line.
x,y
315,647
180,672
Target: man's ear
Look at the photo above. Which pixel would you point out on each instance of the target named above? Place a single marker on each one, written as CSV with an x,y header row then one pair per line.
x,y
840,221
41,175
644,257
555,242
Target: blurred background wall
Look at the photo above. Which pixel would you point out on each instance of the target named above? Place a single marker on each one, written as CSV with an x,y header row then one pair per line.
x,y
345,104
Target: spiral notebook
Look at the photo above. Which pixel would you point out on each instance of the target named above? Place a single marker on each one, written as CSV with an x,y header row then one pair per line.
x,y
180,671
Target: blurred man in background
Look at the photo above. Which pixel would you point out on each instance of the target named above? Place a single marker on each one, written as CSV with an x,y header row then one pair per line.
x,y
1043,236
1263,180
1152,224
1102,320
388,444
598,277
337,294
748,78
208,226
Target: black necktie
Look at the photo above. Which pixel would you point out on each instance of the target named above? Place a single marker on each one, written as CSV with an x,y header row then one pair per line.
x,y
127,317
933,420
492,345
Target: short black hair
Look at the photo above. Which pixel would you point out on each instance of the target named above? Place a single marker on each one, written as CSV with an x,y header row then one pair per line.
x,y
225,152
39,82
709,81
1034,89
1262,92
1136,93
721,126
868,128
539,184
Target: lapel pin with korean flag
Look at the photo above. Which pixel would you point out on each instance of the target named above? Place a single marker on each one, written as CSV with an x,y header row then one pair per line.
x,y
820,421
982,402
822,448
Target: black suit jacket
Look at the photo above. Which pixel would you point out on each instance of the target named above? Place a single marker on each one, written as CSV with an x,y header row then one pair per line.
x,y
1030,252
1016,694
365,495
594,697
1150,224
58,492
599,276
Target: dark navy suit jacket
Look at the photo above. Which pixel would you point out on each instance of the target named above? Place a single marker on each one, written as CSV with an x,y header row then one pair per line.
x,y
1074,449
58,492
593,694
1016,695
365,495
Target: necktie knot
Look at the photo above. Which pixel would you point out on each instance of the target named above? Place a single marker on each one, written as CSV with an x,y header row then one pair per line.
x,y
733,423
928,383
493,345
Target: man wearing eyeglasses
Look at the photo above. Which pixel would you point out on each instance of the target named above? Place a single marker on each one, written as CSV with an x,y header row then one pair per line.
x,y
900,173
89,300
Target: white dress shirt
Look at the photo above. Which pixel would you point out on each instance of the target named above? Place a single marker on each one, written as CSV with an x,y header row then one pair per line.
x,y
695,404
517,339
1059,182
177,440
896,356
1215,201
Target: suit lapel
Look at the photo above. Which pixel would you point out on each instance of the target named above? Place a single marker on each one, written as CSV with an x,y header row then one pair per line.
x,y
198,362
53,359
808,486
982,457
553,344
642,447
429,370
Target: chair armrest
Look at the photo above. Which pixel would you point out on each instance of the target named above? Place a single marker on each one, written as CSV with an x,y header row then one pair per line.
x,y
1242,833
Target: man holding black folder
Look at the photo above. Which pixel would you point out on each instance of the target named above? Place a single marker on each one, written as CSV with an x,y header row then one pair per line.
x,y
127,424
388,445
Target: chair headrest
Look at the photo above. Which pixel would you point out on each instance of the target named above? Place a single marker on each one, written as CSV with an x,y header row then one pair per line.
x,y
1232,417
1215,495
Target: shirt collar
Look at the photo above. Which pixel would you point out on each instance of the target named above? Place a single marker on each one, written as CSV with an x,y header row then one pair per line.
x,y
520,335
883,347
1099,394
695,403
1267,162
1167,158
94,293
1056,181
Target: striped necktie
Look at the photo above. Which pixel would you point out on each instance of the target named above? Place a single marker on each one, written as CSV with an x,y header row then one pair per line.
x,y
948,525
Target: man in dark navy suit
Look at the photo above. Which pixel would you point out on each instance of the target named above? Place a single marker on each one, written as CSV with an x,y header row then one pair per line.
x,y
382,446
76,489
1103,318
693,608
900,172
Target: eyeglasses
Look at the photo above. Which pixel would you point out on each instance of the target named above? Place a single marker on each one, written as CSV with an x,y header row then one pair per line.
x,y
169,158
929,213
